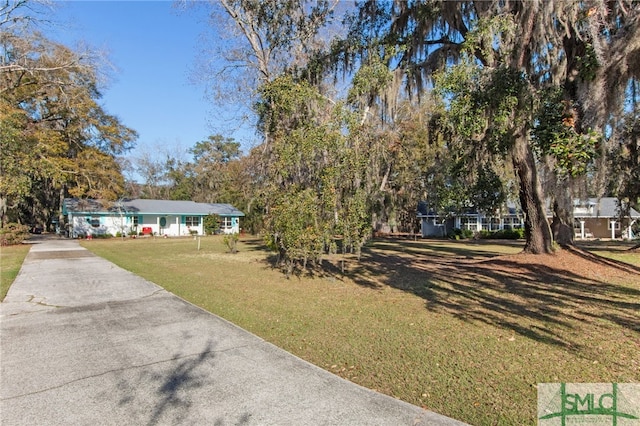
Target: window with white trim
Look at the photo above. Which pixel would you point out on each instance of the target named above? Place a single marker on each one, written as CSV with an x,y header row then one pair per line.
x,y
507,222
467,222
225,223
192,220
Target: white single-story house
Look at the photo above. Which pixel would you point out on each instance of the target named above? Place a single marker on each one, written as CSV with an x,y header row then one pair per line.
x,y
593,218
600,218
87,217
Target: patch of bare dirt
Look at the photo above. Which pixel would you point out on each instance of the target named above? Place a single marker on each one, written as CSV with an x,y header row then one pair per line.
x,y
572,260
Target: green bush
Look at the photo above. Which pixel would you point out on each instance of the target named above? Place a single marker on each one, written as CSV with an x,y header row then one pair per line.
x,y
13,233
461,234
231,241
211,224
505,234
455,234
467,233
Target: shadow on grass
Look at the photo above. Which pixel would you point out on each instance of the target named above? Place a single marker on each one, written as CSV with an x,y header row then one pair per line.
x,y
312,269
460,250
541,302
273,260
254,244
612,246
604,261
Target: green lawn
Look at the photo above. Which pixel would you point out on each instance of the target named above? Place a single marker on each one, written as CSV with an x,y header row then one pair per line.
x,y
616,250
443,325
11,259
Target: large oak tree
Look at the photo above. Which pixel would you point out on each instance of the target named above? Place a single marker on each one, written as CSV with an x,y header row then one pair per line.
x,y
588,50
56,138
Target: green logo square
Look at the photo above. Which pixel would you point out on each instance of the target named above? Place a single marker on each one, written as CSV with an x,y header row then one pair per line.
x,y
585,404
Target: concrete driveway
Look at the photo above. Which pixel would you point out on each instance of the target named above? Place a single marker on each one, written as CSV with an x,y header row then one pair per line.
x,y
84,342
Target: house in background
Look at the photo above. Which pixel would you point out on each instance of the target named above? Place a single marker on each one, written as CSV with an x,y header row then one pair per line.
x,y
85,217
593,218
600,218
433,224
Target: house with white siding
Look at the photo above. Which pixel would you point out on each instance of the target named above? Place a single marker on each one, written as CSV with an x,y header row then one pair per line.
x,y
171,218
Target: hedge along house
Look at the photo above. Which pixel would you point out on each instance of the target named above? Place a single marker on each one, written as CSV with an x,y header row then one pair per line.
x,y
85,217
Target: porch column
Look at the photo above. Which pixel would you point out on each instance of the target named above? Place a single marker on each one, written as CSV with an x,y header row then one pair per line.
x,y
612,224
582,229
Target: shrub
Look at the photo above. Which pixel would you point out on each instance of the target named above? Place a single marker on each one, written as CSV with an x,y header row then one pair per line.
x,y
13,233
231,241
455,234
461,234
505,234
211,224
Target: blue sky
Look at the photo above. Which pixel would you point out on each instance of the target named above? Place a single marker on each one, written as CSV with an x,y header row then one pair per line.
x,y
154,47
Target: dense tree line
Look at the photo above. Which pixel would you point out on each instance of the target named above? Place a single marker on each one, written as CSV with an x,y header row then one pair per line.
x,y
456,103
55,138
526,82
363,112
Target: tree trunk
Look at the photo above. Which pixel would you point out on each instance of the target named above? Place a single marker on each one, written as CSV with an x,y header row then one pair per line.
x,y
62,225
562,225
537,231
3,211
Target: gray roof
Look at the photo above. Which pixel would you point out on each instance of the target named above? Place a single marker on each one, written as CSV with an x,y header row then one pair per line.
x,y
424,210
589,208
144,206
602,207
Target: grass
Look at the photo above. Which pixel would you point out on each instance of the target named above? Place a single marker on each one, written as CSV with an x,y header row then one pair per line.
x,y
616,250
11,259
436,323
